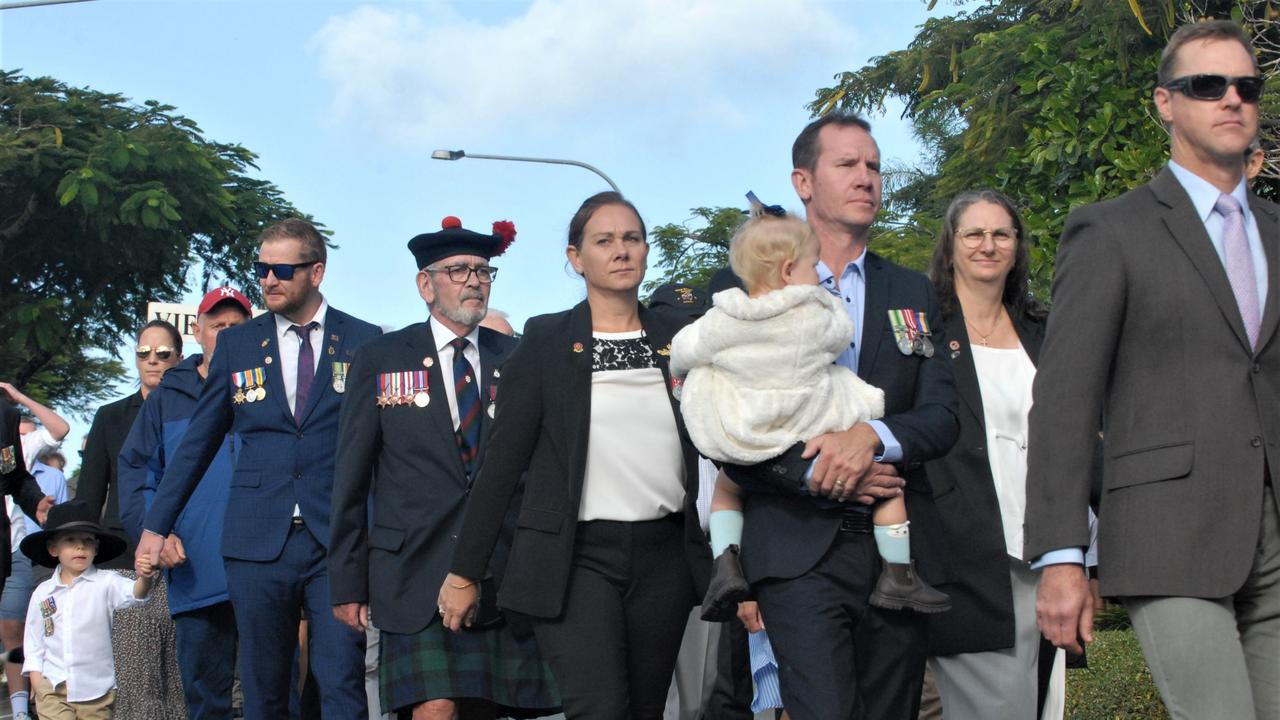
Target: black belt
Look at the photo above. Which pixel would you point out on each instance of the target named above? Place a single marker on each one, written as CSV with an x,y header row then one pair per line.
x,y
856,520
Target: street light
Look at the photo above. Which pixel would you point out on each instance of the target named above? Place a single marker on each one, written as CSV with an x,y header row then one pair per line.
x,y
459,154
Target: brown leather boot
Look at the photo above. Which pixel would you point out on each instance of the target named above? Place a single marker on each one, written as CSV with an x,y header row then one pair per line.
x,y
900,587
727,588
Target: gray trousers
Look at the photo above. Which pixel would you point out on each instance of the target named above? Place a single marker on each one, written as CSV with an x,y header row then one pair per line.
x,y
997,683
1219,658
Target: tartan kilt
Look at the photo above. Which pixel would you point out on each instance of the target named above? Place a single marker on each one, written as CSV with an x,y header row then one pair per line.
x,y
496,664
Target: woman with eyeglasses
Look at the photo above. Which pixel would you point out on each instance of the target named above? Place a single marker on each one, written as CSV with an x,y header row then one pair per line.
x,y
986,653
608,557
143,639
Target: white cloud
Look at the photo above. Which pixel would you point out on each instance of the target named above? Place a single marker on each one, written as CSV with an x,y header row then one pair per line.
x,y
422,71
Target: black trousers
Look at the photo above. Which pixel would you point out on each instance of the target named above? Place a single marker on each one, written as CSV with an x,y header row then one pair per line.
x,y
614,647
838,657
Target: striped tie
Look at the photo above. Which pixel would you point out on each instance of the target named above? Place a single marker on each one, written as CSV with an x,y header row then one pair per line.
x,y
467,395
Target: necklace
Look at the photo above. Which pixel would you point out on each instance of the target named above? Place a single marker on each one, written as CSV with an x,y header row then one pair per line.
x,y
982,337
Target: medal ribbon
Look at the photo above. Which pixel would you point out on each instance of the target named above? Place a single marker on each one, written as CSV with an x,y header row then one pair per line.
x,y
924,323
912,330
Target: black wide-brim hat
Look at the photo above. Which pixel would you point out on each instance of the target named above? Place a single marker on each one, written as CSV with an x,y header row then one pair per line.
x,y
453,239
68,516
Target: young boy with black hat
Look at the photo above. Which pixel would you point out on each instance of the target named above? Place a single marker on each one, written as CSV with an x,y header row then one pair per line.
x,y
68,631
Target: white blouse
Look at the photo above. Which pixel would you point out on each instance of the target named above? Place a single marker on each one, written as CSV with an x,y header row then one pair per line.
x,y
1005,376
635,463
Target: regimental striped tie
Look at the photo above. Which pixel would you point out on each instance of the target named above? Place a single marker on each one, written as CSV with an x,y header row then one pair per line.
x,y
467,395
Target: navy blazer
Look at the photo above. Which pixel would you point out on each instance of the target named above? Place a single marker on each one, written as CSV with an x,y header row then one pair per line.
x,y
787,531
403,554
543,426
279,462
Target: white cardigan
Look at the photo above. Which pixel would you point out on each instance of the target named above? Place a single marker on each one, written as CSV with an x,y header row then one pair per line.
x,y
759,375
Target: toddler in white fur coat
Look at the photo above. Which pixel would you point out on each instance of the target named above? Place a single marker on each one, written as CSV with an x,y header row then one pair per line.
x,y
759,377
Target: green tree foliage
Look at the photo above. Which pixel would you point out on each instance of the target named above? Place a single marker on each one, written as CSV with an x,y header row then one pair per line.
x,y
1048,101
104,206
692,251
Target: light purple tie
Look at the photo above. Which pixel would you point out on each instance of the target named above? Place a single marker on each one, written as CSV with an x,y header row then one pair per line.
x,y
306,368
1239,261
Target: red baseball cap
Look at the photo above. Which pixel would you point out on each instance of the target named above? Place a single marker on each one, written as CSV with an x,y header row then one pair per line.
x,y
223,294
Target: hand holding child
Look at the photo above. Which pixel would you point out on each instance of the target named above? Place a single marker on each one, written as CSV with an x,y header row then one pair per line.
x,y
144,567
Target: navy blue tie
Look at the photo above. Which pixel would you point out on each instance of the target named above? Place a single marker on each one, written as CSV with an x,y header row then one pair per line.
x,y
467,395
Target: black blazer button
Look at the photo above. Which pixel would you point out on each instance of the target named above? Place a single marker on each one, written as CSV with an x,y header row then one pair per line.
x,y
1257,368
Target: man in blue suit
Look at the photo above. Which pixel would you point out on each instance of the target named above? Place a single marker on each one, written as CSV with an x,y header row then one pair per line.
x,y
276,382
198,600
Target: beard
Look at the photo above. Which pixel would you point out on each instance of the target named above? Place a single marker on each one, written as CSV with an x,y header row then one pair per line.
x,y
463,315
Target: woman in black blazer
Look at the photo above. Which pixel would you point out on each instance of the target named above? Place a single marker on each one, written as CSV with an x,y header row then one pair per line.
x,y
987,653
608,557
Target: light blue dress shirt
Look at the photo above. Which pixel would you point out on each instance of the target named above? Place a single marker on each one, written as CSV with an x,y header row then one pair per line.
x,y
853,290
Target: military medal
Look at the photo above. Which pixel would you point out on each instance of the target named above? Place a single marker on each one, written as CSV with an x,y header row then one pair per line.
x,y
261,392
421,399
926,345
8,460
493,394
418,379
238,398
340,377
260,382
901,333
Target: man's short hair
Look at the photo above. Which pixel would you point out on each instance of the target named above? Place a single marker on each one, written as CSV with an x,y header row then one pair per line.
x,y
1211,30
300,230
805,150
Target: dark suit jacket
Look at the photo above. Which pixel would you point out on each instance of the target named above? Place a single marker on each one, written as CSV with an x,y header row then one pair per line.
x,y
542,425
1146,341
407,457
279,463
981,615
15,481
786,530
99,485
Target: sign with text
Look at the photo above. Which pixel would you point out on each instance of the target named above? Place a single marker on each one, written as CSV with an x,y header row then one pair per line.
x,y
182,317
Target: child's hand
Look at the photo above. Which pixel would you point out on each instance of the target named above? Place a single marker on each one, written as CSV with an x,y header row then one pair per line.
x,y
144,567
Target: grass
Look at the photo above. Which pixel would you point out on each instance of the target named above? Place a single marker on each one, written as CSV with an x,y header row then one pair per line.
x,y
1117,683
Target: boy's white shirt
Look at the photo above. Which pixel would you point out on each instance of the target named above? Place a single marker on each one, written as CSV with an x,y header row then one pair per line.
x,y
759,375
79,650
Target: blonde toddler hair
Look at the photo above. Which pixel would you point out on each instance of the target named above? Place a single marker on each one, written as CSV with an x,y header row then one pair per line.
x,y
763,244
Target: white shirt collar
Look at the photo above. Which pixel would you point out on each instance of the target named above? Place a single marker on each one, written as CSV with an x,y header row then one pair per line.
x,y
283,324
443,335
87,575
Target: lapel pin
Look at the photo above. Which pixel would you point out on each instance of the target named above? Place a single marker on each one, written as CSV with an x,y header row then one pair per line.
x,y
267,359
954,344
266,343
333,338
577,347
496,373
428,361
332,351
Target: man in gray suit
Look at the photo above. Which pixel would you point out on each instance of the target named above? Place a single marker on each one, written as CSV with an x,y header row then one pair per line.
x,y
1163,337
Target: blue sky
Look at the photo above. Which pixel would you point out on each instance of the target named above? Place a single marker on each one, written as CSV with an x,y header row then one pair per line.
x,y
683,103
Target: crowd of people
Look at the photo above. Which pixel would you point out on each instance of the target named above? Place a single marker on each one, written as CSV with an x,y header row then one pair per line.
x,y
894,471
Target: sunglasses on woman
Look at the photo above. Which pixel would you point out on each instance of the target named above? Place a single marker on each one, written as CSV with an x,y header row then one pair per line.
x,y
283,271
1213,87
163,352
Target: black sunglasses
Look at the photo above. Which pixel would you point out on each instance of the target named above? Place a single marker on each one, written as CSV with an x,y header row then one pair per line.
x,y
283,271
1213,87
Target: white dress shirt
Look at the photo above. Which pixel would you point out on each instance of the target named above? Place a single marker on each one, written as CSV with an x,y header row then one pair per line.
x,y
444,352
78,652
33,443
290,345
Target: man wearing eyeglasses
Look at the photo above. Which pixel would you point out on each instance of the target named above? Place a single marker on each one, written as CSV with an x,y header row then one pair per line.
x,y
1163,334
417,414
276,382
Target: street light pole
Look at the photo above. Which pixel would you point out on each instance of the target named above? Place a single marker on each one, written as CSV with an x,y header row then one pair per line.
x,y
36,3
460,154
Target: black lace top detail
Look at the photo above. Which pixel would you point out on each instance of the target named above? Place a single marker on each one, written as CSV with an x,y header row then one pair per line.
x,y
628,354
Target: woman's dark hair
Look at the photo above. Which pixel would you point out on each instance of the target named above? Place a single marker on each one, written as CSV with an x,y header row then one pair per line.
x,y
174,335
589,207
1017,293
